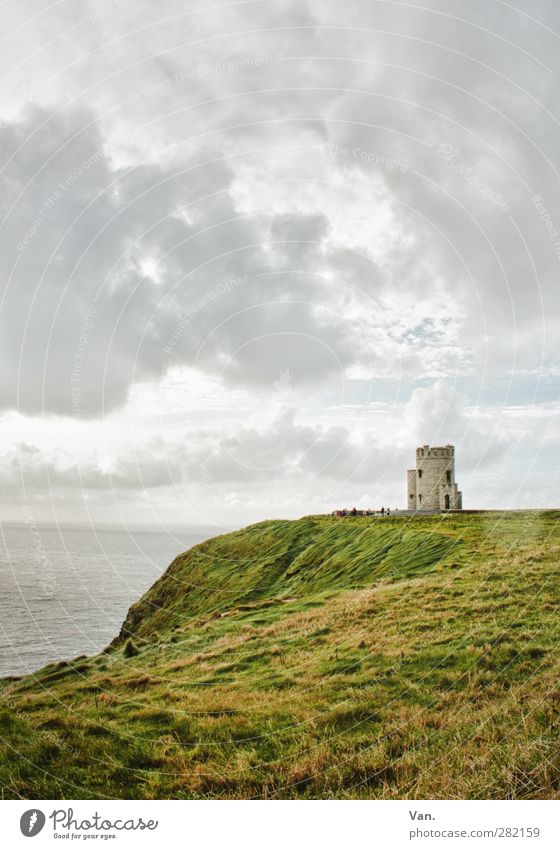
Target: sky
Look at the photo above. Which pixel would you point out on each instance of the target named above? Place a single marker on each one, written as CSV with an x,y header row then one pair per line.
x,y
255,252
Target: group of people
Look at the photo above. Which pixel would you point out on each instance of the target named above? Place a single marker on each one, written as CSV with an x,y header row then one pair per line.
x,y
354,512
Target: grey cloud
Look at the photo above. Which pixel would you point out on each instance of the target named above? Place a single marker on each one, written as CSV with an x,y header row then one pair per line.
x,y
283,449
112,262
296,451
107,263
134,216
28,469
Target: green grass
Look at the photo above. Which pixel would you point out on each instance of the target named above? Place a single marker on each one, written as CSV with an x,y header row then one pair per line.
x,y
319,658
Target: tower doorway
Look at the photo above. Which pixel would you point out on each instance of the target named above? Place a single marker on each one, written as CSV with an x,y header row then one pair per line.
x,y
447,502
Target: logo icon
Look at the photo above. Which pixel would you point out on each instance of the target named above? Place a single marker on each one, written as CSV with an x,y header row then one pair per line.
x,y
283,387
31,822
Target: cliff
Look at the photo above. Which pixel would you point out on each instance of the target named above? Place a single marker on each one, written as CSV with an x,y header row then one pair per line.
x,y
347,658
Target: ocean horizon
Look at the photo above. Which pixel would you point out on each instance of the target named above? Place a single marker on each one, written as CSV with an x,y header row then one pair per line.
x,y
65,590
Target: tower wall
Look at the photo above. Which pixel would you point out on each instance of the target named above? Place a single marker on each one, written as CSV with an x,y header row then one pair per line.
x,y
434,486
411,489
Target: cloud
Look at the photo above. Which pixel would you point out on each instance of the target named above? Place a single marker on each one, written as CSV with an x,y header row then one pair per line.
x,y
370,209
29,470
439,415
281,449
104,267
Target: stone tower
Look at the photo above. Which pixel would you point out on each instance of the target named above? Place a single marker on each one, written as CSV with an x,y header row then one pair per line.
x,y
431,485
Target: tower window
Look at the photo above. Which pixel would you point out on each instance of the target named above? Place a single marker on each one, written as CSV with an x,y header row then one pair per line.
x,y
419,473
448,477
420,497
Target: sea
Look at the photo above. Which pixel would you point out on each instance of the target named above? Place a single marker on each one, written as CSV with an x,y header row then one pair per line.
x,y
65,591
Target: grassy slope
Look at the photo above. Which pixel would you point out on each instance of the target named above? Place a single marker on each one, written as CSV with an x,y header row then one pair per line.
x,y
317,658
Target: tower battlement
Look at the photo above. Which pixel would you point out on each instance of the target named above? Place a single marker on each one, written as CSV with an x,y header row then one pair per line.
x,y
440,451
432,485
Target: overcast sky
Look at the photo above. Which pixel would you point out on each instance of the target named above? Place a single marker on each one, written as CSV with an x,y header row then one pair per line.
x,y
254,253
